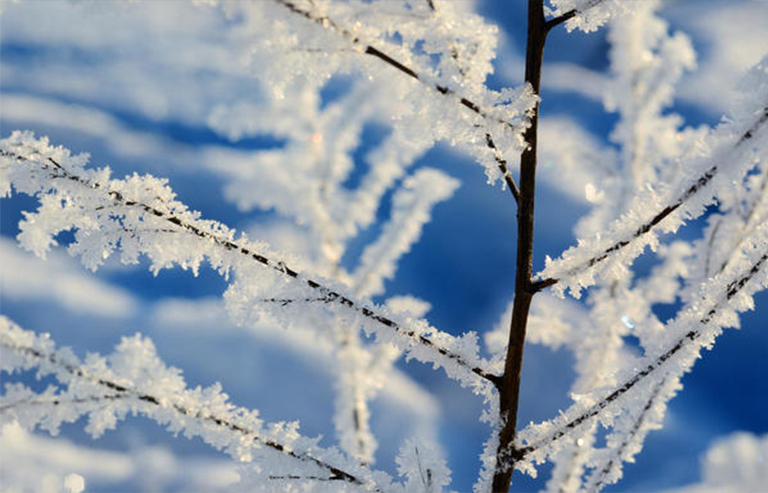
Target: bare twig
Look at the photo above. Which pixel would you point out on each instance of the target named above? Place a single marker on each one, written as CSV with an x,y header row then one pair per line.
x,y
502,163
556,21
510,387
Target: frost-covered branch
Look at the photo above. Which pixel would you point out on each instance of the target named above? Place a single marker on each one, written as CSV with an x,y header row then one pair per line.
x,y
578,266
587,15
521,102
328,23
93,204
134,380
696,328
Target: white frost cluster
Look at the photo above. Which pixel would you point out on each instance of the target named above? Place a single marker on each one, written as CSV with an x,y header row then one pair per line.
x,y
417,67
133,380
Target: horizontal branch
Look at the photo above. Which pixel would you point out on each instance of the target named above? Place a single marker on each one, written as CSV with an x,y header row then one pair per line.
x,y
123,391
326,294
58,402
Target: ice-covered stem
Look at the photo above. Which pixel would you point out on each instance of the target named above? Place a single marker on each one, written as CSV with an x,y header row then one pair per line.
x,y
732,289
692,190
325,294
510,383
328,23
367,49
600,476
35,357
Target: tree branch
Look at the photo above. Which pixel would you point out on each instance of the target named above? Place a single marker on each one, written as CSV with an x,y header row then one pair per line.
x,y
123,391
731,290
510,386
502,163
324,292
556,21
699,184
368,49
328,23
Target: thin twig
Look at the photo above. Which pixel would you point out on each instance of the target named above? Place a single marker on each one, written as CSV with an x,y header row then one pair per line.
x,y
556,21
502,163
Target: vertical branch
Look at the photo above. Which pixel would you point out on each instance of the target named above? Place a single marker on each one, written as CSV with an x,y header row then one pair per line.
x,y
510,386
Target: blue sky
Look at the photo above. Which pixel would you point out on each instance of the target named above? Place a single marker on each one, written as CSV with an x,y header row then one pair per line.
x,y
88,77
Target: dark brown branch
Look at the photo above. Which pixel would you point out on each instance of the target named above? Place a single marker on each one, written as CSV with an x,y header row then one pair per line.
x,y
292,477
510,386
335,473
556,21
732,289
277,265
502,163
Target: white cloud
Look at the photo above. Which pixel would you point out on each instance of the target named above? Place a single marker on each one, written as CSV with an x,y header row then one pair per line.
x,y
32,462
165,59
734,464
59,279
736,39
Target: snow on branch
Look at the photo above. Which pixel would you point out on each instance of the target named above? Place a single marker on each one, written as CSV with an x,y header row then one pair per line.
x,y
138,215
588,15
436,32
736,145
328,23
636,404
133,380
